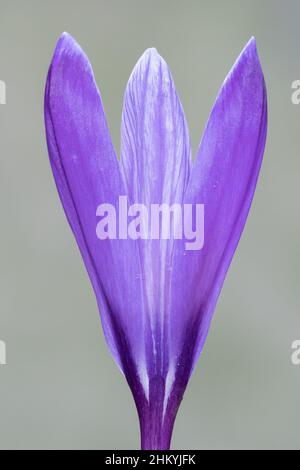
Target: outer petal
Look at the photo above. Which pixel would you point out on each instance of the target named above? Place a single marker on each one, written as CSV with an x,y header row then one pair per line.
x,y
223,178
86,173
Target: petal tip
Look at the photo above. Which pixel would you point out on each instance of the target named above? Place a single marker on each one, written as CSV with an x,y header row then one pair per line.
x,y
66,45
151,58
248,60
64,39
250,50
252,43
151,52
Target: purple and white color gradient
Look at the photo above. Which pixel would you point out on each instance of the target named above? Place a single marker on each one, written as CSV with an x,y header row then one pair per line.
x,y
156,299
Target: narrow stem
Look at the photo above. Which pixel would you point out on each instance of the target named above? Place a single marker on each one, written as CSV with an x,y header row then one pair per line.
x,y
157,418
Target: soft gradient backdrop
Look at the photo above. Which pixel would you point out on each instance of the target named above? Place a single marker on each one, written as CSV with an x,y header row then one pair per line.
x,y
60,387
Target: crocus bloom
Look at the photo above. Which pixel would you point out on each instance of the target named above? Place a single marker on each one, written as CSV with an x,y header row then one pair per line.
x,y
156,299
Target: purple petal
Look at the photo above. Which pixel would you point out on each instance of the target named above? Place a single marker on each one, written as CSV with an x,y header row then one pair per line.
x,y
156,159
87,173
155,147
223,178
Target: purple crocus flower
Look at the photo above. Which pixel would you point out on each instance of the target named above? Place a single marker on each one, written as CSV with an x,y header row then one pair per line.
x,y
155,297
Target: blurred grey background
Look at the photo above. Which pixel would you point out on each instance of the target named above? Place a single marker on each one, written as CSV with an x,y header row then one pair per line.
x,y
60,387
